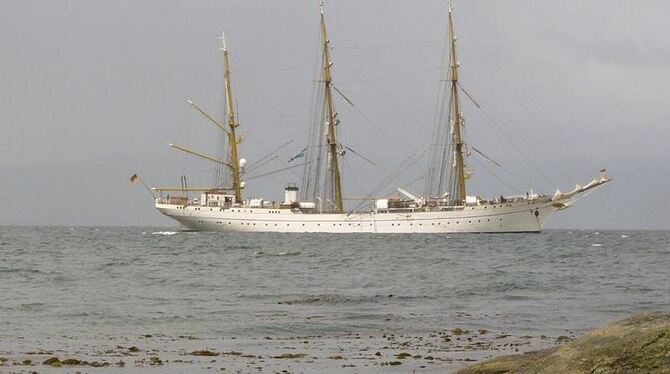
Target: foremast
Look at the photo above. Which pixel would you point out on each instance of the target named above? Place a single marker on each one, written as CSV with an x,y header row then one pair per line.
x,y
331,117
233,141
457,179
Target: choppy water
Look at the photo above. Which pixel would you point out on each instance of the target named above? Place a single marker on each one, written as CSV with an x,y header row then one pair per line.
x,y
92,281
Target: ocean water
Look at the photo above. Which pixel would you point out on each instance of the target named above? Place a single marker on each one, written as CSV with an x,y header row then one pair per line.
x,y
83,282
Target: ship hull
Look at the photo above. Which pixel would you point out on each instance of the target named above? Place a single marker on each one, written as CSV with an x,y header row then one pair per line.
x,y
512,217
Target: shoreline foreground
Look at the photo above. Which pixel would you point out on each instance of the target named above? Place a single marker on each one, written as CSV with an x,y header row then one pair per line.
x,y
639,344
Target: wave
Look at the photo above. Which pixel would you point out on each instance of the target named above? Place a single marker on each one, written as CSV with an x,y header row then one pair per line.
x,y
336,299
166,233
261,253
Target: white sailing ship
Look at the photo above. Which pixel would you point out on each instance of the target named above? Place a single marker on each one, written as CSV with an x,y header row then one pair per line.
x,y
317,206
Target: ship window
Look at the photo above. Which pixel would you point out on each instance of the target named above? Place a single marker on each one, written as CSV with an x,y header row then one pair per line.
x,y
479,220
457,222
469,221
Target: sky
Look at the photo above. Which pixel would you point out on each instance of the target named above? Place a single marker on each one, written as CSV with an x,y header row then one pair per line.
x,y
92,91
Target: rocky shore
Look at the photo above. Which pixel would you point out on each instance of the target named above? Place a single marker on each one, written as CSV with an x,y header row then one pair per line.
x,y
639,344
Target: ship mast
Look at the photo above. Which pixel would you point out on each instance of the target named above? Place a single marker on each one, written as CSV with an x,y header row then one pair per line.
x,y
458,190
233,141
331,116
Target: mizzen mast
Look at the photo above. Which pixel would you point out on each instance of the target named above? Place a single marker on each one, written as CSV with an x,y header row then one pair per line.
x,y
331,117
233,141
457,184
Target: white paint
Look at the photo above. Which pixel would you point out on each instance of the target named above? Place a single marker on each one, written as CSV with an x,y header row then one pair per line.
x,y
505,217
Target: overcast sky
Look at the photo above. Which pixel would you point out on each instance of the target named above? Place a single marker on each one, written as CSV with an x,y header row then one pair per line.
x,y
91,92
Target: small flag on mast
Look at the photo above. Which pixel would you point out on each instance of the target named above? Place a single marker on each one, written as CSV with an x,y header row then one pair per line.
x,y
134,178
298,155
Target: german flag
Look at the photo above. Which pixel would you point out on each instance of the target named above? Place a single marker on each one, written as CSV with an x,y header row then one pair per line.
x,y
134,178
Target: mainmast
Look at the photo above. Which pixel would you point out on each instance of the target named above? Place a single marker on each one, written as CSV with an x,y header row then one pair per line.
x,y
233,141
331,117
458,189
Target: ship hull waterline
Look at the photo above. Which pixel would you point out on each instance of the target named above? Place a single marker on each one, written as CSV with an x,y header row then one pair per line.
x,y
502,218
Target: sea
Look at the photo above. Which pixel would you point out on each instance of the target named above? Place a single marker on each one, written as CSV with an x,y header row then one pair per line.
x,y
95,291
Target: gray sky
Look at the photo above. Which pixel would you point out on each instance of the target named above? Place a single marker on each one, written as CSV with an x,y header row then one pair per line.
x,y
91,91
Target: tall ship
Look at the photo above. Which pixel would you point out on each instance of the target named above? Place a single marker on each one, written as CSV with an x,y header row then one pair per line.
x,y
316,204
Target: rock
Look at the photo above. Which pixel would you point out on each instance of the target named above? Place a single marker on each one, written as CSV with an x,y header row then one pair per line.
x,y
459,331
290,355
71,361
155,360
402,355
52,361
204,353
639,344
97,364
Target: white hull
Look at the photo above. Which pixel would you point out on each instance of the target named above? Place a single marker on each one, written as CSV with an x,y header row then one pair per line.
x,y
505,217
